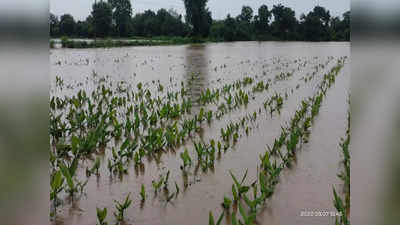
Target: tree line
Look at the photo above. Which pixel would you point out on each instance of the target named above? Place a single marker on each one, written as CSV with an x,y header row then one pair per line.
x,y
114,18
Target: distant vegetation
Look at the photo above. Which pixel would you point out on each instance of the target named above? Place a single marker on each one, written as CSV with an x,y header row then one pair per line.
x,y
114,19
113,43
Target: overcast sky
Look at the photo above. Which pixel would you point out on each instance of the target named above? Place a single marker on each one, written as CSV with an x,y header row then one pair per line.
x,y
80,9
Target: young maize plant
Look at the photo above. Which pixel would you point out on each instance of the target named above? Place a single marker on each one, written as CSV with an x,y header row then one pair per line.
x,y
148,123
343,206
143,193
101,216
121,208
211,219
268,176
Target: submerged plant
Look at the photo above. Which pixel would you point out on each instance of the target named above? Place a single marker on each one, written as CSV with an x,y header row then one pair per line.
x,y
101,216
209,115
121,207
187,161
177,189
241,189
211,219
166,181
169,197
227,203
341,208
56,186
143,193
268,175
95,168
248,218
157,184
68,173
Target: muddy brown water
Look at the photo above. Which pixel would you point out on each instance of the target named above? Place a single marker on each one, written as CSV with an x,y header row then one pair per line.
x,y
307,186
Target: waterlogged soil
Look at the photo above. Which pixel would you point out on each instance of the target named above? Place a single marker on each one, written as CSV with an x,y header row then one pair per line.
x,y
306,186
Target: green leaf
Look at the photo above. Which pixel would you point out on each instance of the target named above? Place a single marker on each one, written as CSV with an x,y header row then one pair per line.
x,y
262,181
74,143
235,180
251,218
125,145
220,218
101,214
73,167
96,165
227,202
243,189
143,193
57,181
234,220
234,193
67,176
211,219
248,201
242,212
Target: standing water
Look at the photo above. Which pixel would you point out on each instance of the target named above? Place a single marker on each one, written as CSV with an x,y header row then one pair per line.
x,y
293,70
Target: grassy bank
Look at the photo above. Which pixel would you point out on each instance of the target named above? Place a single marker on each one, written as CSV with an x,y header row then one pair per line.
x,y
144,41
137,41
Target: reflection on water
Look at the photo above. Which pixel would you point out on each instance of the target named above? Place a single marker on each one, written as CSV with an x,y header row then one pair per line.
x,y
196,71
196,74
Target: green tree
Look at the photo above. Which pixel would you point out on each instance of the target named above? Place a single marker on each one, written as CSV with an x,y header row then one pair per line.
x,y
67,25
284,25
90,26
54,25
102,18
311,28
170,23
149,23
244,28
316,25
346,25
82,29
322,14
114,18
164,23
137,24
262,20
180,28
198,16
335,33
340,29
122,13
246,15
218,29
206,24
230,24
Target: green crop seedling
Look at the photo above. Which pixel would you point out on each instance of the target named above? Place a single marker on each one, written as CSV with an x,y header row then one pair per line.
x,y
101,216
143,193
121,208
147,126
211,219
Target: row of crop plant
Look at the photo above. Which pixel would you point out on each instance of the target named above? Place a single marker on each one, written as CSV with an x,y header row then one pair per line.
x,y
274,160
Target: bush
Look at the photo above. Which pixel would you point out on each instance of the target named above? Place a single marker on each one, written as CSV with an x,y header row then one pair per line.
x,y
65,41
197,39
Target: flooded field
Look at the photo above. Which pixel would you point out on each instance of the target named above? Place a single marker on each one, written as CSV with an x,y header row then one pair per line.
x,y
174,129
